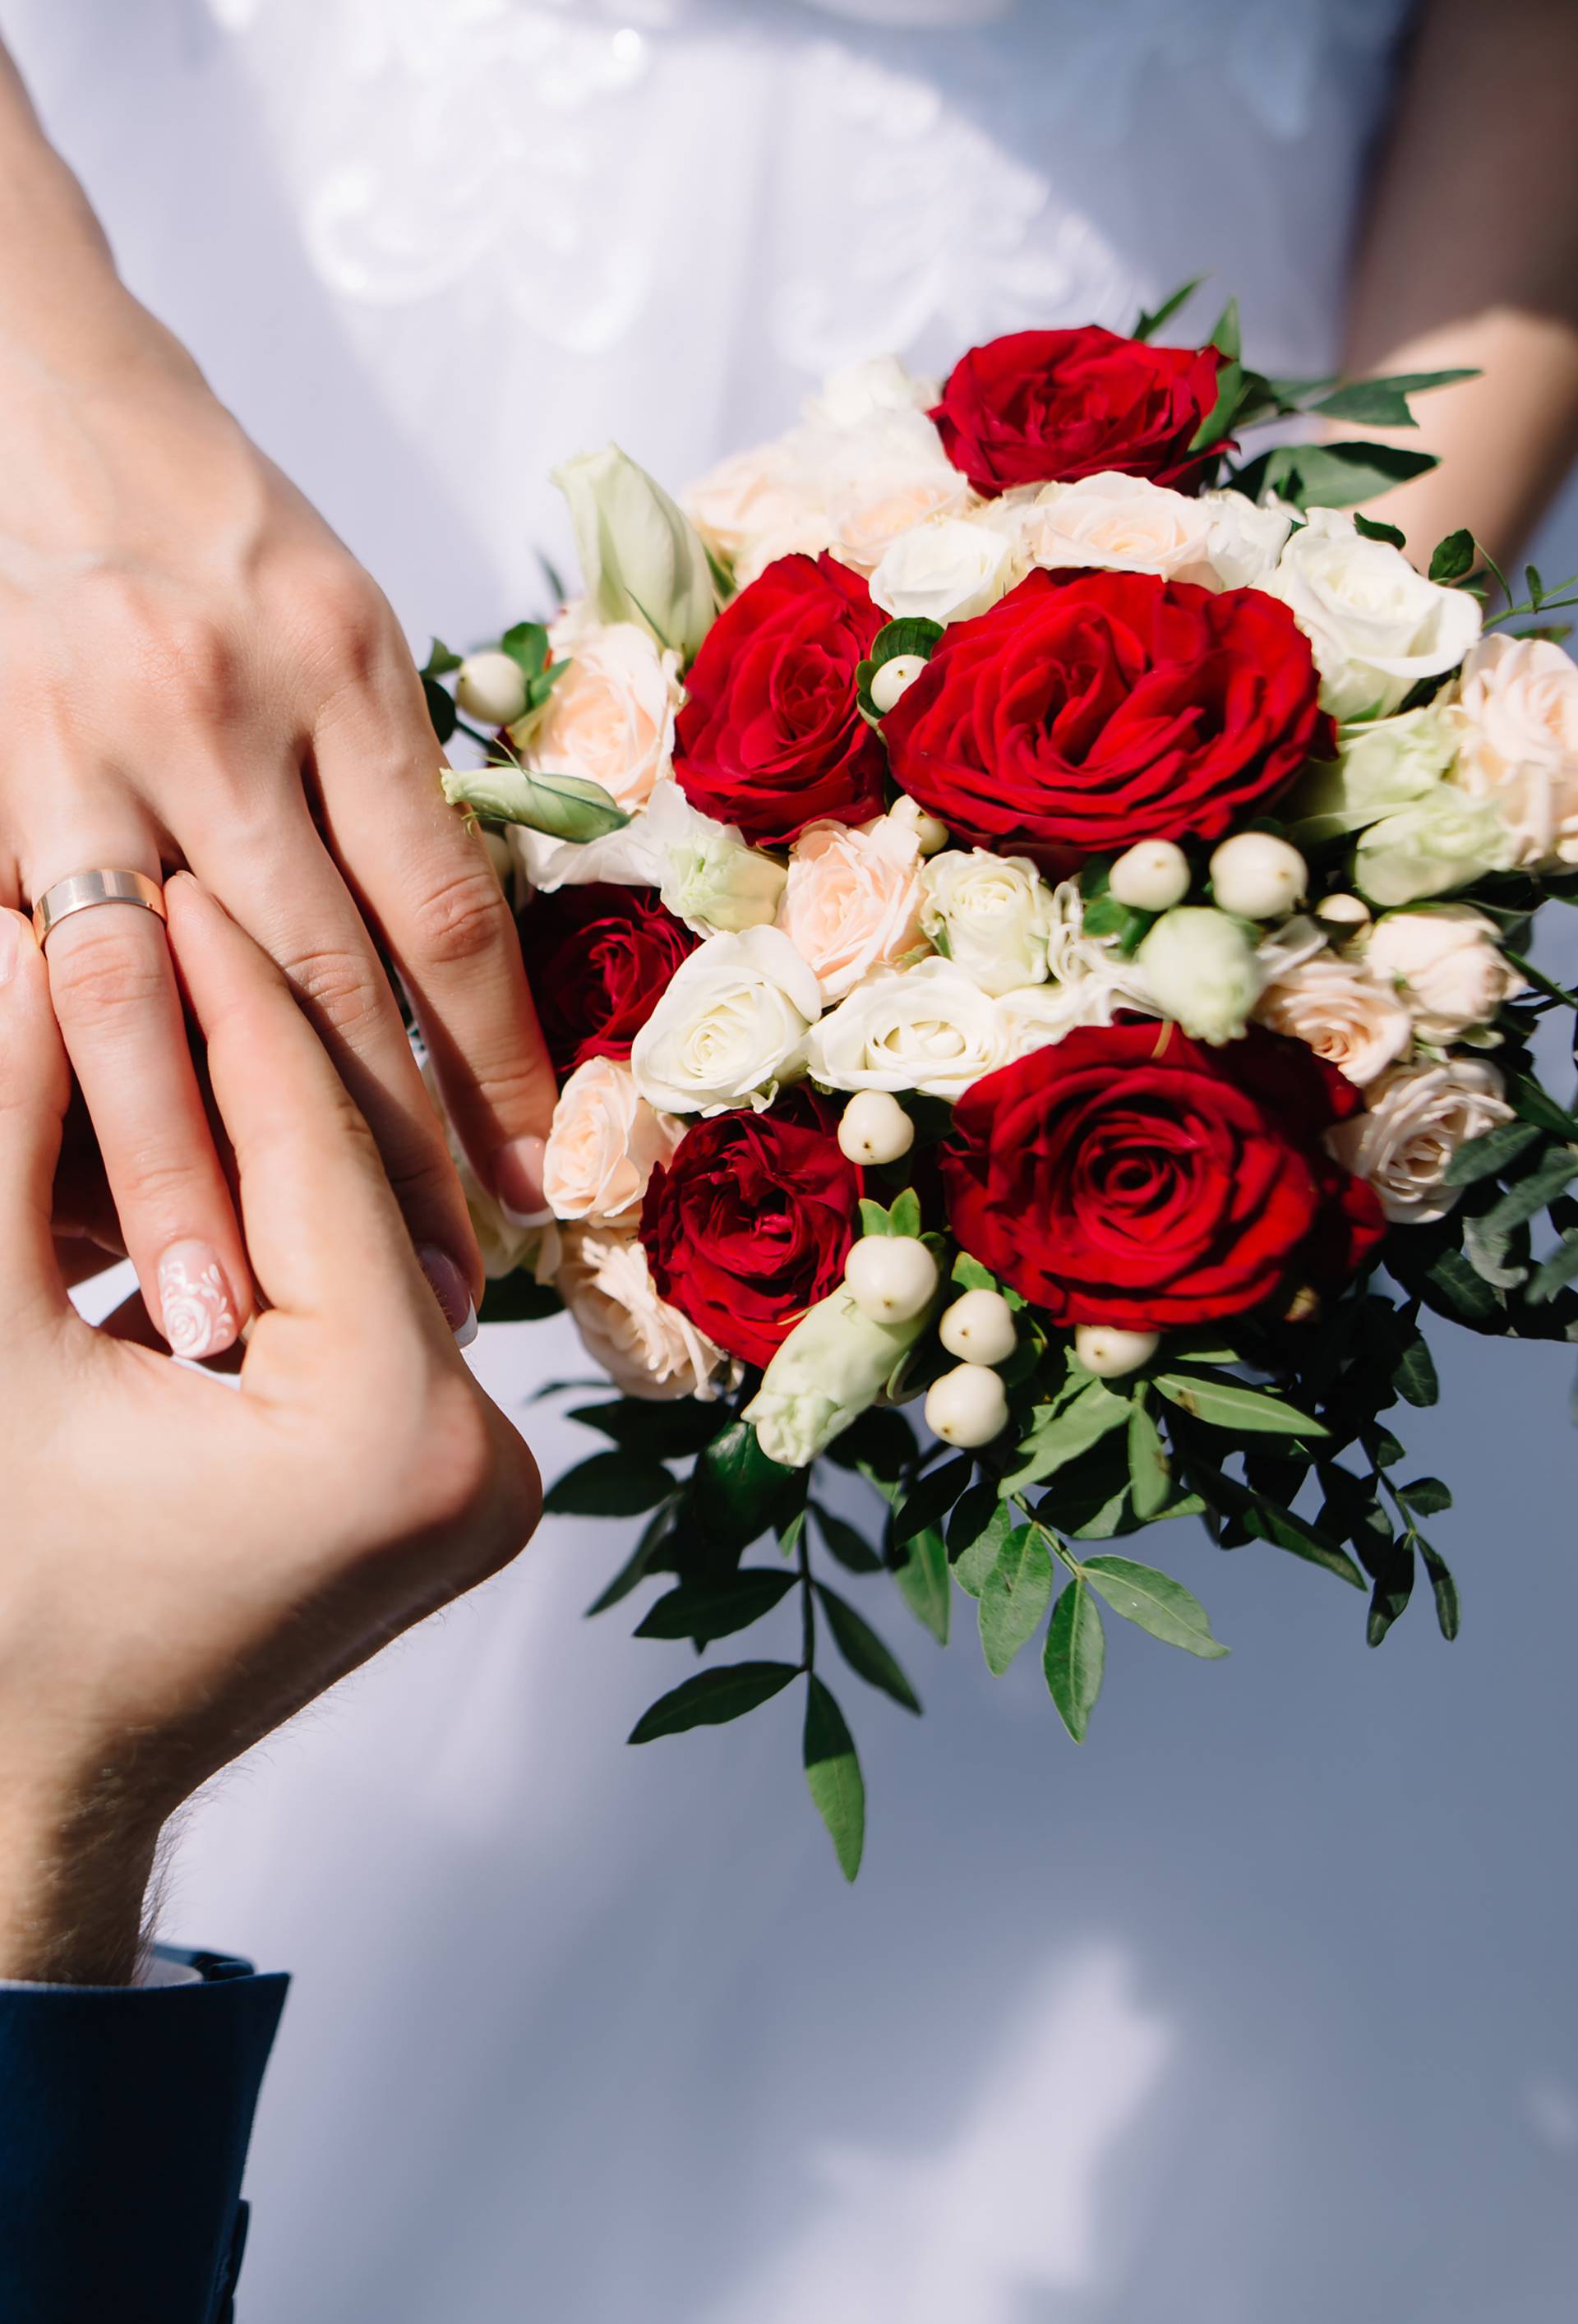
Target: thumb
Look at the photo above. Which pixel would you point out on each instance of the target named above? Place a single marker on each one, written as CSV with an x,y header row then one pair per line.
x,y
35,1086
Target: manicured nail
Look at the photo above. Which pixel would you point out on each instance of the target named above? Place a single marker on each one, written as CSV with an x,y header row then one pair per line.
x,y
196,1307
518,1181
451,1291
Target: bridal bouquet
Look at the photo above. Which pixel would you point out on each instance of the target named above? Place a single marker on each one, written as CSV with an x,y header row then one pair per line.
x,y
1029,910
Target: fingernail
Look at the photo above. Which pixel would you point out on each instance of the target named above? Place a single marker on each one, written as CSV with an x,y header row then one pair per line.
x,y
197,1308
452,1292
518,1181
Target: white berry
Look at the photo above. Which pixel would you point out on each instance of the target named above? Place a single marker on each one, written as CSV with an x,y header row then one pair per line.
x,y
1151,876
491,687
1349,913
978,1327
890,679
891,1278
874,1128
931,835
1258,877
1109,1352
967,1406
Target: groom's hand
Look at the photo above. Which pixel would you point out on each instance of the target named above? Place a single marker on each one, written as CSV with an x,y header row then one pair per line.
x,y
181,1565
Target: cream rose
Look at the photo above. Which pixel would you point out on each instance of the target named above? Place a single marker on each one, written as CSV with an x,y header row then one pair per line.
x,y
856,390
852,902
1353,1019
1416,1119
1446,968
609,718
929,1028
1443,841
1221,540
944,570
879,479
730,1027
757,505
604,1144
992,915
647,1348
1517,721
1375,625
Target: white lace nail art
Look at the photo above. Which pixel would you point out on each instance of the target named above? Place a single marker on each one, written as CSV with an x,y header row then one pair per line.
x,y
196,1311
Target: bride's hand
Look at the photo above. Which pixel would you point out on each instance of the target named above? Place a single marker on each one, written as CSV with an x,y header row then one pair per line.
x,y
195,670
181,1566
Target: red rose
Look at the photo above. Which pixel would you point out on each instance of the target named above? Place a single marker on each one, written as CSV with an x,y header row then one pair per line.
x,y
1130,1176
751,1223
1086,711
770,736
598,958
1040,407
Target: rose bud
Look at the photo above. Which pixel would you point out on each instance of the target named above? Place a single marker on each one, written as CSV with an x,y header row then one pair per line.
x,y
1200,969
875,1127
1151,876
1258,877
833,1364
890,1277
979,1328
491,687
967,1406
1109,1352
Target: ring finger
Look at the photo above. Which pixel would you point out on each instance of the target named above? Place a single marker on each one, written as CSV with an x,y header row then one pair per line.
x,y
115,993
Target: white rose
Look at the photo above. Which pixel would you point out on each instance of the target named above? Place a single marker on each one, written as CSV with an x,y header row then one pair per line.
x,y
647,1348
1416,1119
854,900
706,875
1375,625
929,1028
879,479
834,1363
641,558
1221,540
944,570
751,497
604,1144
1091,965
1335,1008
1200,969
854,393
609,718
1443,841
1382,764
1446,967
994,915
730,1027
1518,716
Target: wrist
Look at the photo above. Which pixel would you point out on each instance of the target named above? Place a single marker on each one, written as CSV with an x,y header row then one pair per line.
x,y
73,1884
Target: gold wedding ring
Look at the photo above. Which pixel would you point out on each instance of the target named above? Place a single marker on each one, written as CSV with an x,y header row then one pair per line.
x,y
81,891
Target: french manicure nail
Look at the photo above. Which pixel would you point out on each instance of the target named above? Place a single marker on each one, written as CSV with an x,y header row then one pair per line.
x,y
518,1181
196,1309
451,1290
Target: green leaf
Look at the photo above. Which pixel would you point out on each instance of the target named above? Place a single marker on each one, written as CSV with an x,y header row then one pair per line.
x,y
1218,421
716,1610
1265,1520
1394,1585
643,1559
1487,1254
1057,1436
441,712
912,635
1486,1157
1227,333
1075,1656
1452,1287
711,1698
1331,475
1532,1194
440,661
518,1298
1447,1610
1368,529
1155,1602
832,1776
1427,1497
1150,324
867,1655
982,1541
608,1485
930,1497
880,1445
737,1491
664,1431
527,646
1384,402
1150,1475
1414,1377
564,806
1534,1105
1553,1273
1225,1404
1015,1597
923,1580
1453,559
844,1542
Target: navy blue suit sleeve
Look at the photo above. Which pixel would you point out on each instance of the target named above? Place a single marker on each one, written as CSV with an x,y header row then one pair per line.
x,y
124,2116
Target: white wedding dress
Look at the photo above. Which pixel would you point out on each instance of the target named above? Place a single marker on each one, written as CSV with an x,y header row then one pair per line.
x,y
1258,2009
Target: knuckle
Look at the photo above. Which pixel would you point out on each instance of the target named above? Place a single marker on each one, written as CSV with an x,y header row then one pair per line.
x,y
348,616
461,920
104,968
473,1481
343,988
